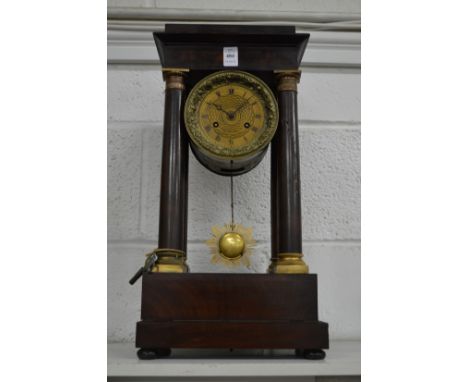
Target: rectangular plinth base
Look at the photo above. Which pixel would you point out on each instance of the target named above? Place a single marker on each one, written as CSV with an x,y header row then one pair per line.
x,y
239,335
230,311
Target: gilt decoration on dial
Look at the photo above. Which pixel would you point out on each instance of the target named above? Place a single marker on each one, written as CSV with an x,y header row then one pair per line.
x,y
231,114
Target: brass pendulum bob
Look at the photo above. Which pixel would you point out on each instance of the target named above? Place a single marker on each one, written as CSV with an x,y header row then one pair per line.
x,y
231,245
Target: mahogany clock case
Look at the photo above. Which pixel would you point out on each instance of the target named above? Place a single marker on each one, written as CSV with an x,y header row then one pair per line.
x,y
194,310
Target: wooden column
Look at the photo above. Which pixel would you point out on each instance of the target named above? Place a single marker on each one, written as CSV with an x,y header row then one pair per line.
x,y
174,180
286,220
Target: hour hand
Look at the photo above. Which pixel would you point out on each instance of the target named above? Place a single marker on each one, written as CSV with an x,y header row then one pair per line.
x,y
228,114
218,107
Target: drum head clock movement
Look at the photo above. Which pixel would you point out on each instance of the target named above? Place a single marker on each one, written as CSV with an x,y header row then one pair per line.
x,y
230,117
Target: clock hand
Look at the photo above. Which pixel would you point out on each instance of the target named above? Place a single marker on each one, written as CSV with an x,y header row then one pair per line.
x,y
219,107
241,107
232,114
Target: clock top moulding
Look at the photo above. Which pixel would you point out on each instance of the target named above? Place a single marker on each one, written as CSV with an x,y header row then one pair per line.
x,y
260,48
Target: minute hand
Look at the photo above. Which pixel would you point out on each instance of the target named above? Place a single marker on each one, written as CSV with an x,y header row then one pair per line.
x,y
241,107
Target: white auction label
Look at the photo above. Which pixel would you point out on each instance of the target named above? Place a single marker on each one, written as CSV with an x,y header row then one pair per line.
x,y
230,56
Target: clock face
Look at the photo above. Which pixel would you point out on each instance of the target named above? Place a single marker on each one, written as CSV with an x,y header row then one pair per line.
x,y
231,114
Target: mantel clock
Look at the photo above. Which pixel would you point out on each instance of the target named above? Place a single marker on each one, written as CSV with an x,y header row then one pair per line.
x,y
231,92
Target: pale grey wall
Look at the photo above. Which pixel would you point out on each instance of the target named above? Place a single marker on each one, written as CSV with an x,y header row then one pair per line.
x,y
329,113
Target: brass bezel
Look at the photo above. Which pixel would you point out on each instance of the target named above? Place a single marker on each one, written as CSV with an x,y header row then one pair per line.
x,y
261,90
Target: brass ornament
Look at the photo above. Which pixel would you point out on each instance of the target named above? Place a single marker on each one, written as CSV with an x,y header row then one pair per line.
x,y
169,261
287,80
287,84
288,262
231,245
231,114
174,77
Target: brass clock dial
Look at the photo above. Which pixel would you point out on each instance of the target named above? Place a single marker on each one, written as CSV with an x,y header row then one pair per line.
x,y
231,114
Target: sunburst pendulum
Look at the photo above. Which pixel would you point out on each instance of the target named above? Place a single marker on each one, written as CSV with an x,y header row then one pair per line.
x,y
231,245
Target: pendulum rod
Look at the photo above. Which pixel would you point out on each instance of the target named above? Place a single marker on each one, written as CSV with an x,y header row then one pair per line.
x,y
232,200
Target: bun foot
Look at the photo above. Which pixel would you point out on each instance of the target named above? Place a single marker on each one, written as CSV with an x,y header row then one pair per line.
x,y
314,354
146,354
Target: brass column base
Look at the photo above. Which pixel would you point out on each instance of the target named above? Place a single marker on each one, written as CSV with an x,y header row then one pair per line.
x,y
170,261
288,263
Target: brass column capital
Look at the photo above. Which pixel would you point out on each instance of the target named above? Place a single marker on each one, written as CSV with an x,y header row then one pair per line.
x,y
287,79
174,77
